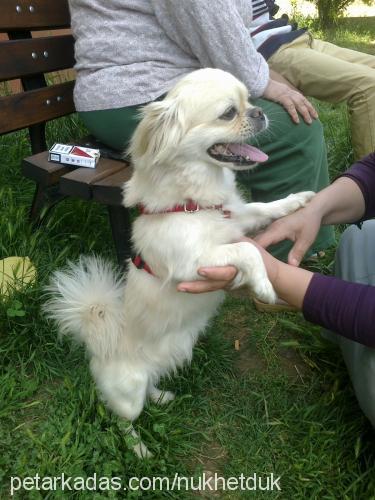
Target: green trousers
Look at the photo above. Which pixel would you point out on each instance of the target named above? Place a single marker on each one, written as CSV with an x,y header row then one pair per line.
x,y
297,157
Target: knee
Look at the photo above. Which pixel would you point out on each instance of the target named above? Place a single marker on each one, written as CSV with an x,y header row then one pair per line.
x,y
347,240
307,134
282,126
366,86
354,256
302,136
354,237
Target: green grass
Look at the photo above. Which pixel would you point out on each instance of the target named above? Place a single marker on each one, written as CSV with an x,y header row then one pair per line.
x,y
281,404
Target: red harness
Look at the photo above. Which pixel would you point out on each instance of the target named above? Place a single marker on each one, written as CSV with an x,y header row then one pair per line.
x,y
190,207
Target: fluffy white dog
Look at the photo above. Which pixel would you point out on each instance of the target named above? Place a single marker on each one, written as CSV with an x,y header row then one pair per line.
x,y
184,152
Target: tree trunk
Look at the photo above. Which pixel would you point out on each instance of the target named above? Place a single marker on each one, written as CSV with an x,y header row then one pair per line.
x,y
327,13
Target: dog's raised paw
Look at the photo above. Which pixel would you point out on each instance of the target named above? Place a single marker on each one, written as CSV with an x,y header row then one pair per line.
x,y
302,198
264,291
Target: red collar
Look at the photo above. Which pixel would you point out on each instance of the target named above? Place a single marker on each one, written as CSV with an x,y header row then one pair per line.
x,y
189,207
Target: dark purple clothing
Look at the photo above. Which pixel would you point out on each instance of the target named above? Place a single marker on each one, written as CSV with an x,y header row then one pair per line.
x,y
340,306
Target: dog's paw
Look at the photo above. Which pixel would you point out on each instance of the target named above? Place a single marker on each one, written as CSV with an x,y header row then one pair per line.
x,y
239,281
161,397
264,291
142,451
300,200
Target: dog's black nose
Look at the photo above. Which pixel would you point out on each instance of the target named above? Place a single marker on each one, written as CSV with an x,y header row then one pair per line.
x,y
256,113
257,118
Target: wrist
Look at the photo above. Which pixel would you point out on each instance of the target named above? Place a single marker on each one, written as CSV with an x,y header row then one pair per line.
x,y
292,283
315,210
279,278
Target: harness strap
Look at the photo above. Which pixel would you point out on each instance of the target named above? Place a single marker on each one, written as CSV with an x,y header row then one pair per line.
x,y
141,264
189,207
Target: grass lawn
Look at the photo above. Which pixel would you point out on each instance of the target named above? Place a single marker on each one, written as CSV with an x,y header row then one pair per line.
x,y
281,404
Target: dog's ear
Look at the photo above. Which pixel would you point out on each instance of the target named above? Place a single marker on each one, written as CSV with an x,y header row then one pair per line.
x,y
159,131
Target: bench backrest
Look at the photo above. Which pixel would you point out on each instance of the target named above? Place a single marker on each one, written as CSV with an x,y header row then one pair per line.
x,y
30,58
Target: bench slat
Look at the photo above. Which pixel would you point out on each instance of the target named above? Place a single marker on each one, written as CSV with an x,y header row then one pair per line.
x,y
79,182
36,55
39,169
34,14
109,190
36,106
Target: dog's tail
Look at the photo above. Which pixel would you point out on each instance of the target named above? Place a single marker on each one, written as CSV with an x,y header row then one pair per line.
x,y
87,300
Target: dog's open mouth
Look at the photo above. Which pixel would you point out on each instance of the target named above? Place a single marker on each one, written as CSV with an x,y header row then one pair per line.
x,y
239,154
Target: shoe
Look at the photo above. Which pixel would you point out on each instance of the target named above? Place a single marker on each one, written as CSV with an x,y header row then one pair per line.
x,y
15,273
274,308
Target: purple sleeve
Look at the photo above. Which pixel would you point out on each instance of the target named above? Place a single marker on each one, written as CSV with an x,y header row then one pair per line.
x,y
343,307
363,173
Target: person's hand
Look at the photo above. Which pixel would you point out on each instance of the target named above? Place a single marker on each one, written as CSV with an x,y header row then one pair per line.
x,y
301,227
292,100
215,278
221,277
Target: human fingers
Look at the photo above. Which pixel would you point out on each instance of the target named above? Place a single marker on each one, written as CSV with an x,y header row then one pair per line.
x,y
299,249
294,103
313,112
202,286
217,278
304,107
271,235
220,273
287,102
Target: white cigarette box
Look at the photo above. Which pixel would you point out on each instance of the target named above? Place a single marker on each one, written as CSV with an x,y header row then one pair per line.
x,y
74,155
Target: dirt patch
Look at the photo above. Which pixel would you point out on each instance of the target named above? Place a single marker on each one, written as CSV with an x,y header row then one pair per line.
x,y
212,458
247,357
292,364
249,360
237,331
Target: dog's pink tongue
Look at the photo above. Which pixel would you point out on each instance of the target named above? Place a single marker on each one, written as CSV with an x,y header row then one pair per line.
x,y
246,150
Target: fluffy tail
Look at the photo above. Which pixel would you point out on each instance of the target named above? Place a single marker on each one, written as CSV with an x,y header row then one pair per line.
x,y
87,300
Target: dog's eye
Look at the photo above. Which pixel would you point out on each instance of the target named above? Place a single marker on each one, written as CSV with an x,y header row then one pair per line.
x,y
229,114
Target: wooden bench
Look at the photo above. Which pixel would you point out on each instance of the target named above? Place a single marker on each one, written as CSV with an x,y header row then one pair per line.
x,y
29,56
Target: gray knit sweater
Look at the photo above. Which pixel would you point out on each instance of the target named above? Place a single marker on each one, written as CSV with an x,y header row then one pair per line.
x,y
132,51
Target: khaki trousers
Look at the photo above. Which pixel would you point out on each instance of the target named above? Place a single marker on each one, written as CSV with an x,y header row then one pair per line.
x,y
333,74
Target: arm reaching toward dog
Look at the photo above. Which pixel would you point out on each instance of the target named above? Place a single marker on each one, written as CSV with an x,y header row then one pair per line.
x,y
329,206
344,307
340,306
281,276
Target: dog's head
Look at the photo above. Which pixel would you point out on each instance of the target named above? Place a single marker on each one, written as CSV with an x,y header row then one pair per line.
x,y
207,118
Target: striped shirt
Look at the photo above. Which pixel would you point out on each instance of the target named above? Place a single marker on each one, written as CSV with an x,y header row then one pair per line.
x,y
259,7
269,34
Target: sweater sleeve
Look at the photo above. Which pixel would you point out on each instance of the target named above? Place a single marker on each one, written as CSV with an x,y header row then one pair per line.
x,y
342,307
216,34
363,173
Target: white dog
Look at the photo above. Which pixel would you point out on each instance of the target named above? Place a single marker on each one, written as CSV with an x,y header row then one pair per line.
x,y
184,152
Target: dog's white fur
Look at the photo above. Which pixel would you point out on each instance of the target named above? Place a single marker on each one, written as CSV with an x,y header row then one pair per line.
x,y
141,328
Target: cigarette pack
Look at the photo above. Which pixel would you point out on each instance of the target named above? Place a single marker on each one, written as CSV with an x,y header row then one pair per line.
x,y
74,155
